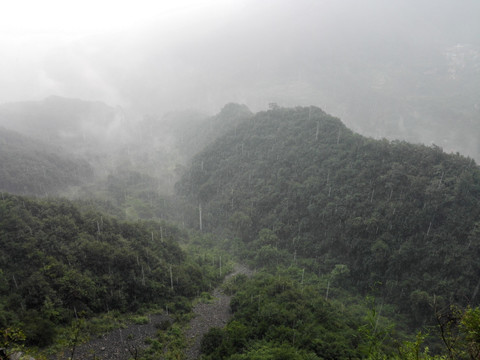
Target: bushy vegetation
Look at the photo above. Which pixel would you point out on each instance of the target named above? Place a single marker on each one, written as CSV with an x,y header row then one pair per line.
x,y
58,263
358,243
284,313
30,167
406,216
278,316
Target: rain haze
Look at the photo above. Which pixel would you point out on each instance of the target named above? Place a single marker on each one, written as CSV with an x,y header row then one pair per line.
x,y
240,179
396,69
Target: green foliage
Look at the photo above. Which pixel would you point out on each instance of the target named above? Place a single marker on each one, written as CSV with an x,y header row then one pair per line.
x,y
459,331
57,261
130,195
470,327
11,340
412,350
290,191
169,344
140,320
374,335
30,167
401,215
273,351
211,341
275,315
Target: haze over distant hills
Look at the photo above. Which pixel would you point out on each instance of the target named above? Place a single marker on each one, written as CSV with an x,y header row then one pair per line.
x,y
397,70
40,140
119,117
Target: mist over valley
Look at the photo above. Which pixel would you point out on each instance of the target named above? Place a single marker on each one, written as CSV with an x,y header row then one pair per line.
x,y
240,180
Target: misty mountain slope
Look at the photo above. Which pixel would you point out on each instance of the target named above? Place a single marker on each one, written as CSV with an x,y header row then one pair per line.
x,y
185,133
406,216
117,145
28,166
398,70
140,185
194,137
74,124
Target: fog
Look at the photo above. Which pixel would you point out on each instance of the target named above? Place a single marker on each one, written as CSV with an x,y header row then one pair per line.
x,y
403,69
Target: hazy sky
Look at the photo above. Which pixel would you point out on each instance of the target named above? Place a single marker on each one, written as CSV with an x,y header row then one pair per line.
x,y
155,56
70,19
34,33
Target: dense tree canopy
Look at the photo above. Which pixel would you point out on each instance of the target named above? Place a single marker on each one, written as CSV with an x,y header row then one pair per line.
x,y
278,318
403,215
290,191
57,262
30,167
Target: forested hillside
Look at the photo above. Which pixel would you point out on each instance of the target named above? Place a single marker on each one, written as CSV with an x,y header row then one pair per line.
x,y
402,216
327,217
31,167
57,263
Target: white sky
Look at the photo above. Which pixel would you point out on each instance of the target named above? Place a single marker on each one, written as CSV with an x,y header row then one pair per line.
x,y
73,18
111,50
32,30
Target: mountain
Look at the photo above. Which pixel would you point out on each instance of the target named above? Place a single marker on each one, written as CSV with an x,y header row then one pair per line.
x,y
77,125
31,167
400,215
58,263
165,145
114,143
387,72
193,133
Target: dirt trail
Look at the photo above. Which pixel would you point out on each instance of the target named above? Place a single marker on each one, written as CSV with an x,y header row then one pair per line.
x,y
208,315
121,344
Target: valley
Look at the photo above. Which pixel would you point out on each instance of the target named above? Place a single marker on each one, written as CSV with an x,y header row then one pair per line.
x,y
359,247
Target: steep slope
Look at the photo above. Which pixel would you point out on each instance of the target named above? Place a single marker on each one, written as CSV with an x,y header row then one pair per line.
x,y
57,263
189,132
391,213
193,139
31,167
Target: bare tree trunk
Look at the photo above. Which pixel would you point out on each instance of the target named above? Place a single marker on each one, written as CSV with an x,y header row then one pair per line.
x,y
200,216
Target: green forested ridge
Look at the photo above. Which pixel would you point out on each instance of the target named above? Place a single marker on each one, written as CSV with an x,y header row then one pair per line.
x,y
30,167
57,262
402,215
327,217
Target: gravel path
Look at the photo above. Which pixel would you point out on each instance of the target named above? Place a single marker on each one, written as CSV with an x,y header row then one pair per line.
x,y
119,344
212,314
